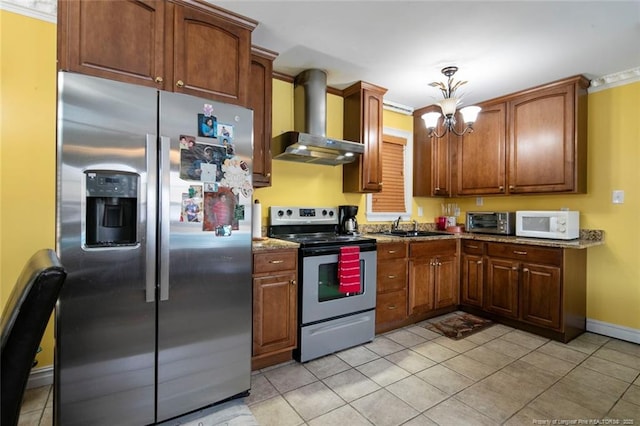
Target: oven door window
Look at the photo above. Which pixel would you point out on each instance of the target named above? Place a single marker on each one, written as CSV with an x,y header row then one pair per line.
x,y
329,284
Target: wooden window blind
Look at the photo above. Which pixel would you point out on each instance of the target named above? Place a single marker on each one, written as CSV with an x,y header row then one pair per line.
x,y
391,198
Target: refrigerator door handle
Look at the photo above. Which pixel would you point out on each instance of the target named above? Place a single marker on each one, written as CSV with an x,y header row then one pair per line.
x,y
152,197
165,219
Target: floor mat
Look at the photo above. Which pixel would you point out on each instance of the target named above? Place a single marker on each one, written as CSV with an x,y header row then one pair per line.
x,y
459,326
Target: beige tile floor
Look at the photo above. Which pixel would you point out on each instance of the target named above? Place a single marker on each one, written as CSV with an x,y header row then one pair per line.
x,y
412,376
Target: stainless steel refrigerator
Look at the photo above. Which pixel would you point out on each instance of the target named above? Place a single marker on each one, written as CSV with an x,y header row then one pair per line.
x,y
154,229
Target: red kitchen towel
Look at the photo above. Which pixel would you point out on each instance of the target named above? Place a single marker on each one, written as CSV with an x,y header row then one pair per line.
x,y
349,270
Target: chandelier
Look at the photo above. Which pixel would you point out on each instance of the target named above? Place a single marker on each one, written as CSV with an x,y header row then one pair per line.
x,y
448,106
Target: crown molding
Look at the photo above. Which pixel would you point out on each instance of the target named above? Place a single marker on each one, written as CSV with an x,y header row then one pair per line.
x,y
616,79
45,10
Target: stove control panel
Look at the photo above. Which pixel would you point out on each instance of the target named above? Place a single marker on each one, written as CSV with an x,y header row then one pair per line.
x,y
283,215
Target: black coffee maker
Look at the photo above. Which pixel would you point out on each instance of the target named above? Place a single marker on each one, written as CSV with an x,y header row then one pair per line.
x,y
347,220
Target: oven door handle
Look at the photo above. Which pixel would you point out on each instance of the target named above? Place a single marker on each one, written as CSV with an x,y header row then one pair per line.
x,y
320,251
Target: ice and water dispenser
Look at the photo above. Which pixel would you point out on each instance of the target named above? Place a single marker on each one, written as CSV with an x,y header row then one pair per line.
x,y
112,204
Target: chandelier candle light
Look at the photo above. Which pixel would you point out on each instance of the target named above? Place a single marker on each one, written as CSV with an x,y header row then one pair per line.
x,y
448,106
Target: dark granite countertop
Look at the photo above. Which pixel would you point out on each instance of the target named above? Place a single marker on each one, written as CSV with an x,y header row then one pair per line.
x,y
591,239
588,238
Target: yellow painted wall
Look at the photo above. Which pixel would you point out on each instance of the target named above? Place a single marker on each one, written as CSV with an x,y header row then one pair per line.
x,y
28,155
27,185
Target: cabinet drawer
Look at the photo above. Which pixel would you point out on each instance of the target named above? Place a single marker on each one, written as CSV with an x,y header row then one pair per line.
x,y
271,261
432,248
391,306
546,255
473,247
392,275
391,251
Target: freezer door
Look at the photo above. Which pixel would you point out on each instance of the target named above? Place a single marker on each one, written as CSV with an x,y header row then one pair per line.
x,y
204,311
105,329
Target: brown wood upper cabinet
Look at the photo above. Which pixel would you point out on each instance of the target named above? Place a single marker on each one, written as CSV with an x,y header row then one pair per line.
x,y
533,141
187,46
260,98
530,142
480,162
547,138
431,159
363,123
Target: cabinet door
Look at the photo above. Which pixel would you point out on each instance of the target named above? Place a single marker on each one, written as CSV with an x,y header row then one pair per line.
x,y
541,141
501,295
480,166
274,315
432,159
472,279
363,123
260,96
211,56
421,281
118,40
446,281
541,295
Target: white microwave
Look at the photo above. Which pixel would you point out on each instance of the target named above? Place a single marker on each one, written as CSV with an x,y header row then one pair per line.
x,y
558,225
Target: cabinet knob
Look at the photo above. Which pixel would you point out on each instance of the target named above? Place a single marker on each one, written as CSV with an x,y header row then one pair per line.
x,y
293,282
525,270
501,188
381,183
511,187
268,175
180,83
275,262
436,189
391,251
391,307
514,268
159,80
391,277
479,262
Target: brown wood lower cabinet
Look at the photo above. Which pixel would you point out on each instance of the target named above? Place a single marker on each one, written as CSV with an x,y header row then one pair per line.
x,y
540,289
472,272
433,275
391,299
274,306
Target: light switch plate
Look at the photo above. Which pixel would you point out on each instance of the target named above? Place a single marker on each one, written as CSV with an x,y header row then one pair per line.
x,y
479,201
420,212
617,197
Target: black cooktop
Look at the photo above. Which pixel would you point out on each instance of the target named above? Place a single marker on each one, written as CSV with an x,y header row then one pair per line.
x,y
317,240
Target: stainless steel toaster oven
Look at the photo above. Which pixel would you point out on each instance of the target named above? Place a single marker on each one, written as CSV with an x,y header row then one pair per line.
x,y
502,223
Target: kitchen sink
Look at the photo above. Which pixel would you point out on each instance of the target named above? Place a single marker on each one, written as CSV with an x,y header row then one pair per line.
x,y
400,233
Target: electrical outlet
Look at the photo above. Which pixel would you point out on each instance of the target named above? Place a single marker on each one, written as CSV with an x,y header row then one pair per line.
x,y
617,196
479,201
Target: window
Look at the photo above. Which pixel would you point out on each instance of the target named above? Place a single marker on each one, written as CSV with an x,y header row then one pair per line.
x,y
395,198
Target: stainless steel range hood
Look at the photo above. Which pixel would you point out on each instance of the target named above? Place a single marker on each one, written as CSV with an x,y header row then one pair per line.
x,y
308,143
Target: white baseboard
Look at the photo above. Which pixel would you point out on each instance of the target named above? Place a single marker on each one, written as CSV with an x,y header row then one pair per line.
x,y
40,377
613,330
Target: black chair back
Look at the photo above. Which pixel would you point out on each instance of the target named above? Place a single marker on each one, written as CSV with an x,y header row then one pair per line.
x,y
24,319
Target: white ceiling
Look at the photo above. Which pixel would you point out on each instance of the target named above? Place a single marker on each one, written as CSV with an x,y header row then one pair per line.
x,y
500,47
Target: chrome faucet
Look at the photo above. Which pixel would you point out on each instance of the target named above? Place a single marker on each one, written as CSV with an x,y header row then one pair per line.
x,y
415,225
396,224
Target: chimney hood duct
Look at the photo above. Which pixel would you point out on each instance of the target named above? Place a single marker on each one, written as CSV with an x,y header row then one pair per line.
x,y
308,143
